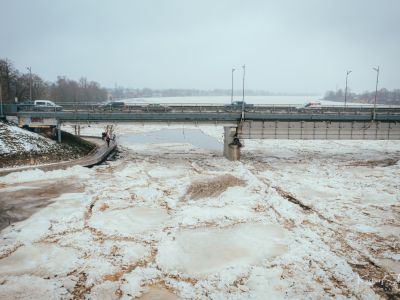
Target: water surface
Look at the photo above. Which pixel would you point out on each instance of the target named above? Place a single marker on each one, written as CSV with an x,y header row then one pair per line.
x,y
192,136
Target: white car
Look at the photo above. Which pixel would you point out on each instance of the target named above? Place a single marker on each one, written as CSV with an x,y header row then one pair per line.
x,y
46,104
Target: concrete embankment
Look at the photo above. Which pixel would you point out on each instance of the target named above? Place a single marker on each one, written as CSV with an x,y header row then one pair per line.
x,y
98,154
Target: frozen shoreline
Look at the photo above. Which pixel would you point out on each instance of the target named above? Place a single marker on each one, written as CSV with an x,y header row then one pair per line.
x,y
135,229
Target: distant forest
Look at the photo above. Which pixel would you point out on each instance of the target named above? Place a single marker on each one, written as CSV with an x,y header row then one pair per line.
x,y
384,96
125,93
15,86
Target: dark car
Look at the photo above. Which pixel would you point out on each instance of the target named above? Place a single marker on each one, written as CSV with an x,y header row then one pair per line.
x,y
237,105
156,107
116,105
26,105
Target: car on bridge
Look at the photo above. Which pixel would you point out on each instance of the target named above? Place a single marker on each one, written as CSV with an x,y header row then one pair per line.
x,y
39,105
115,105
46,105
156,107
237,106
312,104
25,105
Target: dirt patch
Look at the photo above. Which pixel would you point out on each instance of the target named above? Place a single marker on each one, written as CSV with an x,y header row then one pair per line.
x,y
384,284
104,206
291,198
18,205
213,187
80,288
374,163
158,292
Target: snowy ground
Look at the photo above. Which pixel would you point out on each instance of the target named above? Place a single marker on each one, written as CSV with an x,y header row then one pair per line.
x,y
291,220
20,147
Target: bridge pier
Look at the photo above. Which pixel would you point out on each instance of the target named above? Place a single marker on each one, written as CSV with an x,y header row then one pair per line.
x,y
59,133
232,144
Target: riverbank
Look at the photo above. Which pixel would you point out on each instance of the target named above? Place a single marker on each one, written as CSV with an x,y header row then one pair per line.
x,y
19,147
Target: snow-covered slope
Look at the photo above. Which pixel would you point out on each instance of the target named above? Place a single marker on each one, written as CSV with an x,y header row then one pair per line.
x,y
14,139
19,147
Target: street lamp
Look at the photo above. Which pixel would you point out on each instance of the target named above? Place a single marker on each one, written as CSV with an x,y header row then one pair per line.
x,y
244,73
345,92
1,101
376,89
233,70
30,82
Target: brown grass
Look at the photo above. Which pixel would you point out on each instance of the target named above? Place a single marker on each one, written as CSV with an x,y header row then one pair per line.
x,y
374,163
104,206
213,187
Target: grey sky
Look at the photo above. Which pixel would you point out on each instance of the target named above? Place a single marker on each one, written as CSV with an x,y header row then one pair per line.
x,y
287,46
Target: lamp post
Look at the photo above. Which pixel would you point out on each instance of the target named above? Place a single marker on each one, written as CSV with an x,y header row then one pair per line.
x,y
244,74
1,102
233,70
30,82
345,92
376,89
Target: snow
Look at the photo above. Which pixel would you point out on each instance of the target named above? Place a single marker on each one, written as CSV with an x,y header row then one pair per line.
x,y
129,221
31,287
36,174
209,250
14,139
135,231
40,260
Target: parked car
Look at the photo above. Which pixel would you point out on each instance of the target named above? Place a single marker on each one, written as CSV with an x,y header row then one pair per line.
x,y
46,105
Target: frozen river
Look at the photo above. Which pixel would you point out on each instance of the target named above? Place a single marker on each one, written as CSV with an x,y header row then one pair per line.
x,y
171,218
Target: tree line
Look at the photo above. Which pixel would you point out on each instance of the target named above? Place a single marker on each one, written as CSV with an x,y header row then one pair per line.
x,y
126,93
384,96
15,87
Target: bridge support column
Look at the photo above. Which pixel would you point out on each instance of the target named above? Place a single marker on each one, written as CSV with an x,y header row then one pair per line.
x,y
231,144
59,133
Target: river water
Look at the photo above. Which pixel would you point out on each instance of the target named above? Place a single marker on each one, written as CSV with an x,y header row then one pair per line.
x,y
191,136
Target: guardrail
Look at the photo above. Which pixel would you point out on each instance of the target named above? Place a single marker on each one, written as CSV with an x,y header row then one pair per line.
x,y
212,107
210,117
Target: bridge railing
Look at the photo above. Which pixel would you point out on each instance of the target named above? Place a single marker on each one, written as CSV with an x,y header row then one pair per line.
x,y
213,108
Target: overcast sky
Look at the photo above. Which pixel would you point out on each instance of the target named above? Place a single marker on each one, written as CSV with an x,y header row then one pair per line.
x,y
287,46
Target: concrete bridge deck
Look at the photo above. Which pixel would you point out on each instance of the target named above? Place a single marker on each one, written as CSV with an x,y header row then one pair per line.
x,y
248,122
334,115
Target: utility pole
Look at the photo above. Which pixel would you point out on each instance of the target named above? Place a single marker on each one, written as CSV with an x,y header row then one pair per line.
x,y
30,82
345,92
376,89
233,70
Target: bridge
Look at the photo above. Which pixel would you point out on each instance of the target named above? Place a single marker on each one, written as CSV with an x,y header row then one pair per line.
x,y
248,122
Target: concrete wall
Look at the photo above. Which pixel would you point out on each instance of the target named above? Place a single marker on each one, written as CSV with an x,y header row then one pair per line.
x,y
320,130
